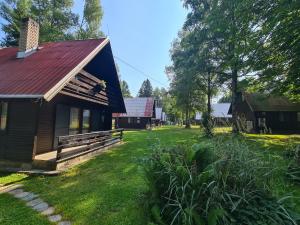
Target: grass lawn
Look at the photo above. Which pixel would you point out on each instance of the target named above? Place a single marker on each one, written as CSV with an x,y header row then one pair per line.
x,y
110,189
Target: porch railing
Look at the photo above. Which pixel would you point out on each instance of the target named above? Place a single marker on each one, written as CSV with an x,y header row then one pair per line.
x,y
80,144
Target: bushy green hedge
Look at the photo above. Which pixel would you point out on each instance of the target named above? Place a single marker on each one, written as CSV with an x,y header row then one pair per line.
x,y
210,184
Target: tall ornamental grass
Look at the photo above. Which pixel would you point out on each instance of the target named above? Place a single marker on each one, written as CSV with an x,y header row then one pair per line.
x,y
210,184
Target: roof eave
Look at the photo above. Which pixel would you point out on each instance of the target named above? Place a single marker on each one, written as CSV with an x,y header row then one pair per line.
x,y
21,96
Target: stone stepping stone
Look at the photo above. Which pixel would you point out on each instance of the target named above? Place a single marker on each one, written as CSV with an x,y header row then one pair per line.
x,y
41,207
21,195
29,197
34,202
47,212
64,223
54,218
16,191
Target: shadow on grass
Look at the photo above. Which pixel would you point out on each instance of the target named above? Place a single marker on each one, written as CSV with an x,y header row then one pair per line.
x,y
109,189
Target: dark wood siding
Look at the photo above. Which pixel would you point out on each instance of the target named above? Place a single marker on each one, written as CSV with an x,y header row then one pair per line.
x,y
122,122
17,142
45,131
62,120
244,112
95,120
54,120
288,125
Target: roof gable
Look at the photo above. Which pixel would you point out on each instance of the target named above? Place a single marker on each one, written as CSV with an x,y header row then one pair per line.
x,y
219,110
158,113
45,72
263,102
137,107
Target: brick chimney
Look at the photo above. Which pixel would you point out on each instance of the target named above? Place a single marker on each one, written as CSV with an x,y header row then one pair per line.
x,y
29,38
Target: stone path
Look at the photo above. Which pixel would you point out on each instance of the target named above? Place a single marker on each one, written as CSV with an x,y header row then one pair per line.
x,y
32,200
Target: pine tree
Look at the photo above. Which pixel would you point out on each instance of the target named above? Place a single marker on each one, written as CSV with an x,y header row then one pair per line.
x,y
146,89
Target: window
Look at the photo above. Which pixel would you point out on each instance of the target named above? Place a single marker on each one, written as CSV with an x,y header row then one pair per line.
x,y
74,121
86,115
129,120
3,115
138,120
298,116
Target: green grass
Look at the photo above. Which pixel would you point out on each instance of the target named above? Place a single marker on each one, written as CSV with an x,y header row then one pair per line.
x,y
7,178
14,212
110,189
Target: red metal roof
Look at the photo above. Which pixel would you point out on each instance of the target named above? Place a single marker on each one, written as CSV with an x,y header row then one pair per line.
x,y
137,107
38,73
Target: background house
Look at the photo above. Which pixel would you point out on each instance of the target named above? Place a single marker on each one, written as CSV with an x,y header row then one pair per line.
x,y
140,114
158,116
263,113
219,114
54,89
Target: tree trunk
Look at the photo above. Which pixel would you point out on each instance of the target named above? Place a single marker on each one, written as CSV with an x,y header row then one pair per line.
x,y
235,128
209,95
187,118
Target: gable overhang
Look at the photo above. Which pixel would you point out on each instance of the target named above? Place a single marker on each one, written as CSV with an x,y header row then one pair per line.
x,y
60,85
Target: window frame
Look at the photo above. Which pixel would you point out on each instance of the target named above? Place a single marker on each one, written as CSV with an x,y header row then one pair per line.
x,y
73,131
129,120
83,129
2,131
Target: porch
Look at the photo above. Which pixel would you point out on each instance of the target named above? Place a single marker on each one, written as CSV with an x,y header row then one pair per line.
x,y
75,149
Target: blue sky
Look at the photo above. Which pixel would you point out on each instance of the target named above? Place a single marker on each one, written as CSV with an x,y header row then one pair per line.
x,y
141,32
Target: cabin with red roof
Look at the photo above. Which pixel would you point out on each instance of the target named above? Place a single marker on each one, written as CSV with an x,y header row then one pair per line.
x,y
140,114
56,96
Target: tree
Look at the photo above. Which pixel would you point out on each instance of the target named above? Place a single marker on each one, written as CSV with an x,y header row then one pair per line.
x,y
13,12
184,79
278,60
146,89
204,65
91,20
159,95
125,89
56,19
226,26
225,98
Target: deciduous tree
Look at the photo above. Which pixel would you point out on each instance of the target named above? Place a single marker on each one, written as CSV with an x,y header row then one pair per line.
x,y
91,20
56,19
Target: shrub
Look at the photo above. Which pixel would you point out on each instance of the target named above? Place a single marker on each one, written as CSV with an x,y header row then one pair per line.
x,y
207,184
208,124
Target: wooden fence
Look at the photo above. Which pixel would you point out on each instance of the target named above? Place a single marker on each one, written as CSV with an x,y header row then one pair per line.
x,y
80,144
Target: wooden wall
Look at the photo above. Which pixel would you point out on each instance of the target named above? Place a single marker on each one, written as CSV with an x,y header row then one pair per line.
x,y
289,125
54,120
17,141
122,122
244,111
